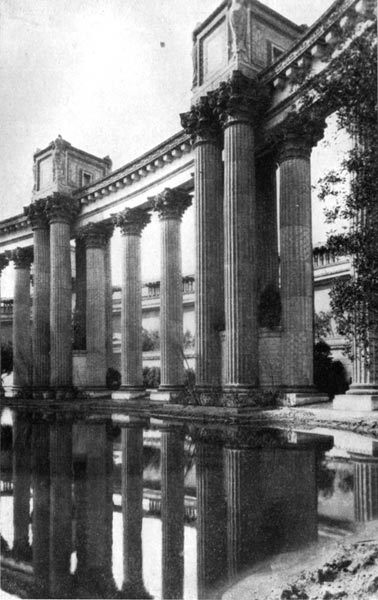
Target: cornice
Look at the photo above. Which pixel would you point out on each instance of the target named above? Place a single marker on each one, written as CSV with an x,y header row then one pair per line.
x,y
156,158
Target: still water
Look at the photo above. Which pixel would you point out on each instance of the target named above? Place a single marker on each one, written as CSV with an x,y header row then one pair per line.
x,y
107,506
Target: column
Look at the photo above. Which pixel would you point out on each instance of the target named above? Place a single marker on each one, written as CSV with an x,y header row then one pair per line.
x,y
170,206
4,261
132,222
61,480
365,488
172,511
109,304
41,504
240,242
132,509
211,517
209,290
22,366
96,236
81,295
61,211
21,485
296,264
41,296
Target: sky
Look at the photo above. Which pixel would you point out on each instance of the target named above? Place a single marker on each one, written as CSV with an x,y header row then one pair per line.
x,y
110,76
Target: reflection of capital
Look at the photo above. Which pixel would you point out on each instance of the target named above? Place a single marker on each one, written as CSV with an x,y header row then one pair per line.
x,y
132,220
171,204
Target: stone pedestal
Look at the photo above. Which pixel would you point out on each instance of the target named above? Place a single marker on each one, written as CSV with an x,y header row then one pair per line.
x,y
132,509
41,296
172,511
131,222
22,366
4,260
211,518
21,486
96,240
240,257
41,505
61,506
170,205
61,211
204,128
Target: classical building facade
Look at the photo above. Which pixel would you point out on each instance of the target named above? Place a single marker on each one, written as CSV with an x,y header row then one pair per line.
x,y
254,286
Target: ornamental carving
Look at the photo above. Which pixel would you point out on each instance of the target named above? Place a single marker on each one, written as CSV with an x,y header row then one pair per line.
x,y
61,208
241,98
171,204
200,121
297,134
132,221
36,213
96,235
22,257
4,261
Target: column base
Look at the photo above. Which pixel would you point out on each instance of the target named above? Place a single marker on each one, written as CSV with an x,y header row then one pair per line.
x,y
205,395
55,393
238,396
96,392
357,399
169,395
301,396
130,394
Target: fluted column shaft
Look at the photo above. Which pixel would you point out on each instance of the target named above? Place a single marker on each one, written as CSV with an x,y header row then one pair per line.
x,y
132,508
209,292
81,295
41,505
60,506
132,223
172,512
41,305
61,302
21,484
366,489
296,263
268,271
170,205
22,375
240,255
108,305
211,518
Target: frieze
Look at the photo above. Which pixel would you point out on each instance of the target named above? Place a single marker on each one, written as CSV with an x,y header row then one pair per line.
x,y
171,204
132,221
22,257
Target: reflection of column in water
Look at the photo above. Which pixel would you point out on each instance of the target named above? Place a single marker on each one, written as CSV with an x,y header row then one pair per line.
x,y
41,504
61,505
132,509
365,488
211,517
94,541
271,502
172,511
21,485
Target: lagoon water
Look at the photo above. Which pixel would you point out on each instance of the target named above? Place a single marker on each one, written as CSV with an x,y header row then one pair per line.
x,y
105,506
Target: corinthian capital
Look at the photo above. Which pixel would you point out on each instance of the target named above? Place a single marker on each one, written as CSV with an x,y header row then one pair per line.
x,y
132,221
37,215
297,134
22,257
96,235
171,204
240,98
61,208
200,122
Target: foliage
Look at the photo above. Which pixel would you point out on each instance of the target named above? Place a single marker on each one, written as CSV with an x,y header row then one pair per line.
x,y
329,375
151,377
113,379
188,339
322,324
6,358
150,340
351,90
